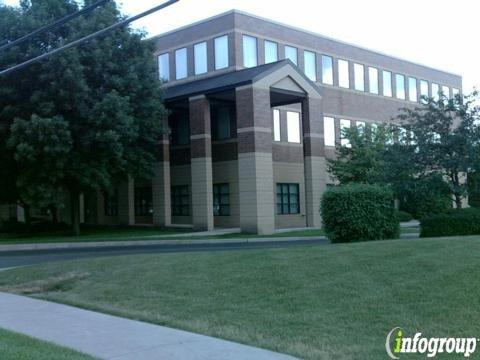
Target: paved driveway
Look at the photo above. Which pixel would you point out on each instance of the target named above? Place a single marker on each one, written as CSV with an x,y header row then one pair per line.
x,y
30,257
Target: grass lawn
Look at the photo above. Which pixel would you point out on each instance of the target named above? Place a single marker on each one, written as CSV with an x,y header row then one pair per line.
x,y
318,302
15,346
94,233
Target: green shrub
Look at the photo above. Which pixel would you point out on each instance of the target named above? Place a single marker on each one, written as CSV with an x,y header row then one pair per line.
x,y
453,222
42,226
426,196
359,212
404,216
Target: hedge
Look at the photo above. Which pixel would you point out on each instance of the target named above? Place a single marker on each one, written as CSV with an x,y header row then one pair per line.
x,y
453,222
359,212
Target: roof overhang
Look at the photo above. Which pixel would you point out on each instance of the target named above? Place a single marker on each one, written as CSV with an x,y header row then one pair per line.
x,y
283,78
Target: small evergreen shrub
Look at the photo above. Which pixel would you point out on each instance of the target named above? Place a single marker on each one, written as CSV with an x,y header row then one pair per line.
x,y
451,223
359,212
404,216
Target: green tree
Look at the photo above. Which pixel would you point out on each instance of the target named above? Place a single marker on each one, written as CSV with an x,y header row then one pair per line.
x,y
361,160
446,137
83,119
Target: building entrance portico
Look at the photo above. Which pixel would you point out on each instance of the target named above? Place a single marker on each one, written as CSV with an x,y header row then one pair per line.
x,y
228,163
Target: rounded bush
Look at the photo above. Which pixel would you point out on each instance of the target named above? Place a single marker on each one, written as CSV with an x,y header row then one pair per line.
x,y
451,223
359,212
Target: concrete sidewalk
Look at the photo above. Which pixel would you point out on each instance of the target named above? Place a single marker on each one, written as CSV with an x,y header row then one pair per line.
x,y
109,337
135,243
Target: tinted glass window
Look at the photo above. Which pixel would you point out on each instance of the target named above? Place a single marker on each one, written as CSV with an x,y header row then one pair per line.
x,y
310,65
343,74
446,91
200,55
221,199
373,80
181,63
291,53
329,131
412,89
221,52
400,86
180,201
249,51
344,124
271,52
435,91
222,122
293,127
387,83
423,88
288,199
359,76
327,70
164,67
276,125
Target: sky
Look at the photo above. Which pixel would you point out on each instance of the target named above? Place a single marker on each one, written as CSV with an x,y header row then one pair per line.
x,y
439,33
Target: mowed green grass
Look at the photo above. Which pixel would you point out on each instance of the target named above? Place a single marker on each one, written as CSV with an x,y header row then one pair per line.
x,y
15,346
90,234
316,302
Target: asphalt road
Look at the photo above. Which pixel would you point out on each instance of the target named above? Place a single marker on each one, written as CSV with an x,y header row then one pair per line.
x,y
23,258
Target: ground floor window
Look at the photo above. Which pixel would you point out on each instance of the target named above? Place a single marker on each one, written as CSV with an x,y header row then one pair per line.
x,y
143,201
221,199
180,201
111,203
288,199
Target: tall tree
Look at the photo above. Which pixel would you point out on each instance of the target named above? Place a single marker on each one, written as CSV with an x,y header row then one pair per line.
x,y
94,113
446,135
360,160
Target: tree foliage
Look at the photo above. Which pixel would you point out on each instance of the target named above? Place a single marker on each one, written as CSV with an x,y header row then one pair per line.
x,y
447,138
425,158
82,119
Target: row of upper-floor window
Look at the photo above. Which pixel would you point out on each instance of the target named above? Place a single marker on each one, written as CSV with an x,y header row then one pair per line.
x,y
200,57
361,78
365,78
333,133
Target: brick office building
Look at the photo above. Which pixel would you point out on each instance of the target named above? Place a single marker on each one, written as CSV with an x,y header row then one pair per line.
x,y
256,109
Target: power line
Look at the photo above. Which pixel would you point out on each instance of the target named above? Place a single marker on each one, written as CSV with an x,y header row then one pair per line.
x,y
53,25
88,37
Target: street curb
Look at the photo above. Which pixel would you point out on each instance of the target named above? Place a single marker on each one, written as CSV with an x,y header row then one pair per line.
x,y
106,244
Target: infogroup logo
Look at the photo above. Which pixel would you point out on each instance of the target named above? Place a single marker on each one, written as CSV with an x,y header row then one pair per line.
x,y
397,343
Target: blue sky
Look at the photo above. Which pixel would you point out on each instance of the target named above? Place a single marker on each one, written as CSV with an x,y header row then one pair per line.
x,y
437,33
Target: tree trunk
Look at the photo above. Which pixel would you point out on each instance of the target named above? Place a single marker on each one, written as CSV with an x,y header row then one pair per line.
x,y
53,212
75,212
458,201
26,212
